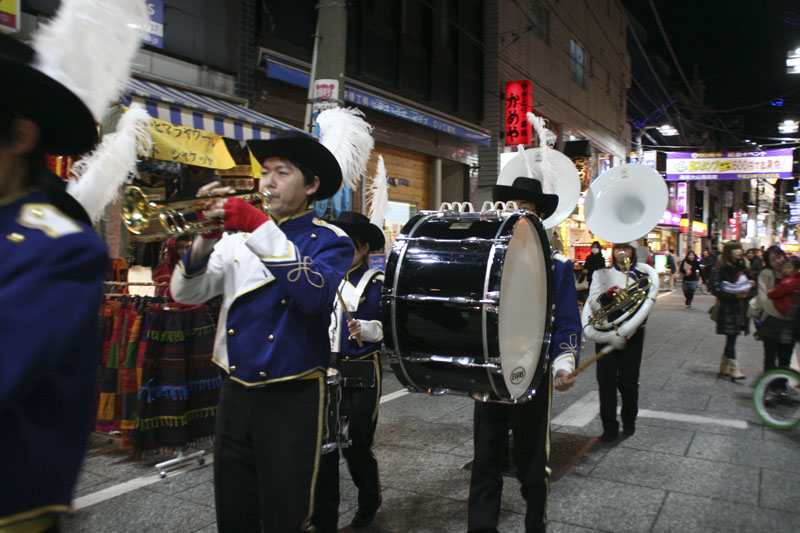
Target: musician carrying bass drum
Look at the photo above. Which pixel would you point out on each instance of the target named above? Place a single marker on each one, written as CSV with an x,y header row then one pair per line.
x,y
529,421
622,205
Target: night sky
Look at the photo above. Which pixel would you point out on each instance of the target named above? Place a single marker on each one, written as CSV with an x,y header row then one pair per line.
x,y
739,49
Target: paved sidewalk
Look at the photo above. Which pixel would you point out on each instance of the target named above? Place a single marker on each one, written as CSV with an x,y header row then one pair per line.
x,y
700,460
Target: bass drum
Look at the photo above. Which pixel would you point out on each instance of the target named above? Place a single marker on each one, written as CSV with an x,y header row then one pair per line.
x,y
467,305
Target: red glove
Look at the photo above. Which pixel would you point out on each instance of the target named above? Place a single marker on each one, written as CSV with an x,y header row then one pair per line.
x,y
610,292
213,234
241,216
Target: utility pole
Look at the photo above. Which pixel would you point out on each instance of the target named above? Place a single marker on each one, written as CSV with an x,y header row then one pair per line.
x,y
326,85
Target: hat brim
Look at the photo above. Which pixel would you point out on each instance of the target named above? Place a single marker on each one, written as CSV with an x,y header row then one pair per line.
x,y
546,204
67,126
371,233
305,151
54,188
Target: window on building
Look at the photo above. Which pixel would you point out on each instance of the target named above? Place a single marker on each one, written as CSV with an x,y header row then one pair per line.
x,y
540,18
577,64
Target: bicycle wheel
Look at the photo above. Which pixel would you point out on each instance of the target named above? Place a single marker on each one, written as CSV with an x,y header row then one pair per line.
x,y
776,398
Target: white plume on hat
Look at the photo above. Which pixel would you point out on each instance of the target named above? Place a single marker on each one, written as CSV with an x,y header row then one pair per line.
x,y
546,138
347,135
88,47
97,178
378,195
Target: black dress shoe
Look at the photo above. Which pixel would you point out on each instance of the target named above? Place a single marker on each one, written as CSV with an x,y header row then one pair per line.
x,y
362,519
609,436
629,429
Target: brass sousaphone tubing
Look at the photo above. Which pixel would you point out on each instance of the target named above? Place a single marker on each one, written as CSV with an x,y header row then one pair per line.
x,y
155,221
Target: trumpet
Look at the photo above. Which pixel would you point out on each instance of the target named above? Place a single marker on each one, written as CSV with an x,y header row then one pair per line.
x,y
152,221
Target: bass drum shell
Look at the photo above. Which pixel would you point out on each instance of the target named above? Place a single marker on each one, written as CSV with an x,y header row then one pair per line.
x,y
467,304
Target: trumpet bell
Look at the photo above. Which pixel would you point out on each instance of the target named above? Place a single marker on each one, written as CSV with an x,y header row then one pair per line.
x,y
625,203
136,215
555,171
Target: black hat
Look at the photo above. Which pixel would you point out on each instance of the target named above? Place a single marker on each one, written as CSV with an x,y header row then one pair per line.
x,y
357,225
304,150
67,126
527,189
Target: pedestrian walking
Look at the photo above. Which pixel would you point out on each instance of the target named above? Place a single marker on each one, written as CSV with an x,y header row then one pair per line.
x,y
690,273
731,284
776,329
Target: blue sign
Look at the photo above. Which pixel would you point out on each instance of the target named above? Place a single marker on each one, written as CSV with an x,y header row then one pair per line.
x,y
155,24
300,77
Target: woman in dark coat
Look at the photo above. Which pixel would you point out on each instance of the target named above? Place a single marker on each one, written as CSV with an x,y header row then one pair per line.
x,y
731,284
690,272
595,261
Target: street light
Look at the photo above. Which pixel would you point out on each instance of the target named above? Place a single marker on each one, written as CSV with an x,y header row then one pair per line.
x,y
667,130
788,126
793,61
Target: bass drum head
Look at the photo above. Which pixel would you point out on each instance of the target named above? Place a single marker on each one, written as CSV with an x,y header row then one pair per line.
x,y
524,307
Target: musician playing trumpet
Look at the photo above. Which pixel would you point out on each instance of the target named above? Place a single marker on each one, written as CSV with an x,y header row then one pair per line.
x,y
619,369
277,275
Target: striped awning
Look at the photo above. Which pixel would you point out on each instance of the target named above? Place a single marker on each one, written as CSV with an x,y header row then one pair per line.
x,y
185,108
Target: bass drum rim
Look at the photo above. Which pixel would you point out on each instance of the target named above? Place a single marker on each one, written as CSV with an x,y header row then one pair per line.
x,y
516,353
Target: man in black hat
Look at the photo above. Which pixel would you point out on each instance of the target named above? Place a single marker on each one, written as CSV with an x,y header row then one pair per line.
x,y
356,343
277,275
51,283
529,421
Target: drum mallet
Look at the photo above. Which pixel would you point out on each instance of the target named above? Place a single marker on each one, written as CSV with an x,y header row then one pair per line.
x,y
605,351
347,313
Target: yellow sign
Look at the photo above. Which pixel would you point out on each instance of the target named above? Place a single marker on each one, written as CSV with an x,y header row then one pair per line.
x,y
790,248
189,146
9,15
255,165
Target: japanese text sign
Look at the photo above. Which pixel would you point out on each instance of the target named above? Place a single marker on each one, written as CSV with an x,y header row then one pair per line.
x,y
730,165
519,101
189,146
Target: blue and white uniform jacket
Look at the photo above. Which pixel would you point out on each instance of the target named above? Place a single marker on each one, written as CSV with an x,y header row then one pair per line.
x,y
361,290
52,270
565,343
608,278
278,285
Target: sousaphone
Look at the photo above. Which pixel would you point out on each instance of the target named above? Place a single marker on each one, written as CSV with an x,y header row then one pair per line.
x,y
622,205
555,171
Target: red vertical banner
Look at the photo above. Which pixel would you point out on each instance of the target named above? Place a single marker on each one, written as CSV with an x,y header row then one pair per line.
x,y
519,101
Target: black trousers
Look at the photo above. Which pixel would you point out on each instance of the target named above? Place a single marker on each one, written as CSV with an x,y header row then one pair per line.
x,y
620,370
360,407
266,455
530,424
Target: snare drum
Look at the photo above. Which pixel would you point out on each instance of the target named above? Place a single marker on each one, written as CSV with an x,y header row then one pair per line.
x,y
467,305
335,431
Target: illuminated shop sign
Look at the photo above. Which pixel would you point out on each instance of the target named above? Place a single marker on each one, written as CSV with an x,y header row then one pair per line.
x,y
518,102
761,164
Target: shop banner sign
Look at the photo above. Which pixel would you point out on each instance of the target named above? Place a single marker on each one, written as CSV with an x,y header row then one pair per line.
x,y
154,31
189,146
519,100
730,165
9,16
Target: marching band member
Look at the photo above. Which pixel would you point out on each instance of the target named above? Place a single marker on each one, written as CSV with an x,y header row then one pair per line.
x,y
618,369
360,367
278,276
51,286
529,421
